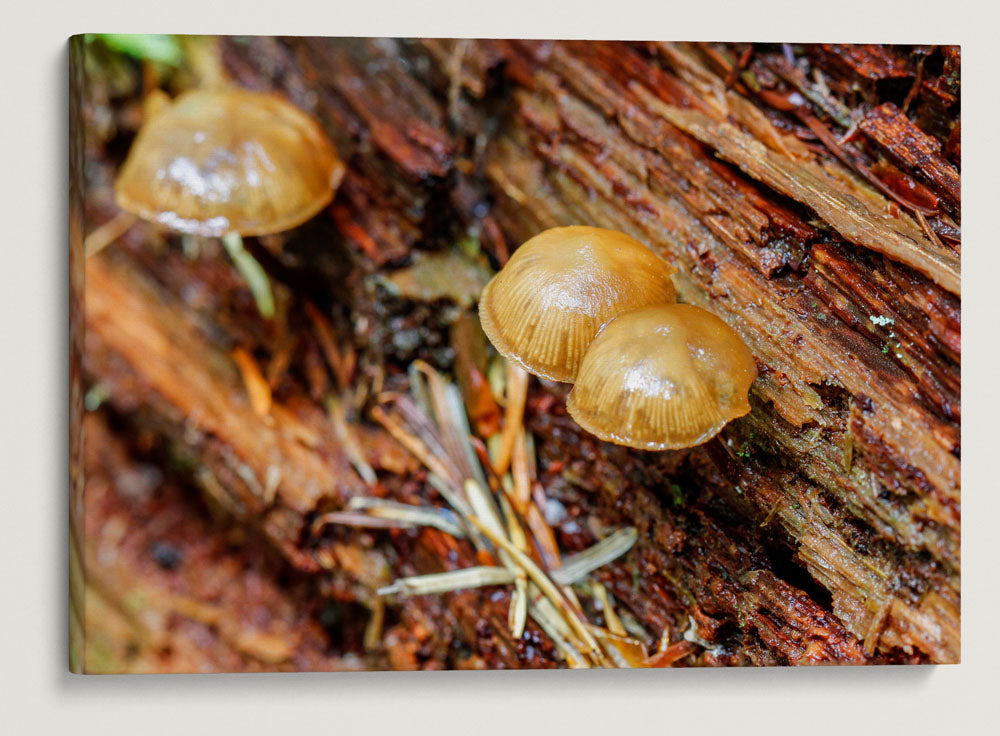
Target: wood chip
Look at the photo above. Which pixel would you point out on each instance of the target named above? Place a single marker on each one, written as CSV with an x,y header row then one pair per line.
x,y
257,387
858,221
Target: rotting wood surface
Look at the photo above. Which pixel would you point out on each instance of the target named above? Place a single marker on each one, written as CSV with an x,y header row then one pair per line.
x,y
824,527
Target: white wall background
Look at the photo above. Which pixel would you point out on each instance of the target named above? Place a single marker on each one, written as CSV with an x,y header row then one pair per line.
x,y
36,693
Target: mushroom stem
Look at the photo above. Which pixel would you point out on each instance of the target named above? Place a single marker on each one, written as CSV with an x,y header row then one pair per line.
x,y
253,272
108,233
517,394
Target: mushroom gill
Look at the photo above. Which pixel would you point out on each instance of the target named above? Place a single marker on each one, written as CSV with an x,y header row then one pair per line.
x,y
542,310
663,377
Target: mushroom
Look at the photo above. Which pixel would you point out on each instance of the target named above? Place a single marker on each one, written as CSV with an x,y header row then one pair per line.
x,y
230,163
544,307
220,161
662,377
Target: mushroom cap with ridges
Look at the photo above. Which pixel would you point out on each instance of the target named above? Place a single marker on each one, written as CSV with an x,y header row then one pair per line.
x,y
663,378
219,161
560,287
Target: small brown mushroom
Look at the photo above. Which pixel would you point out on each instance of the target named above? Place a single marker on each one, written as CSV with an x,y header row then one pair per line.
x,y
214,162
228,163
663,377
560,287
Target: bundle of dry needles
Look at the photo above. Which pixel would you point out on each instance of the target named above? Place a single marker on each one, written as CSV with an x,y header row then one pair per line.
x,y
499,512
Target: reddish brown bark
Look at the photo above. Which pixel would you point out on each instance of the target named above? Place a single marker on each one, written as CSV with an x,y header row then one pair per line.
x,y
823,527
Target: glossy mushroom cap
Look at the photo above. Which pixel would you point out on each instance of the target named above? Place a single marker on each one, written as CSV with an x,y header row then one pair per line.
x,y
558,289
663,378
220,161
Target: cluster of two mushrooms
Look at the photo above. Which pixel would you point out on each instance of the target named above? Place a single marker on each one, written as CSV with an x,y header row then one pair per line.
x,y
596,308
227,163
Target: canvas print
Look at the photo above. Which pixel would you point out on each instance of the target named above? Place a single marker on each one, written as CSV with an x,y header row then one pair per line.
x,y
424,354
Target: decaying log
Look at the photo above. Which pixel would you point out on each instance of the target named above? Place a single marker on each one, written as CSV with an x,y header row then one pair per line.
x,y
822,527
274,475
170,591
840,406
912,149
